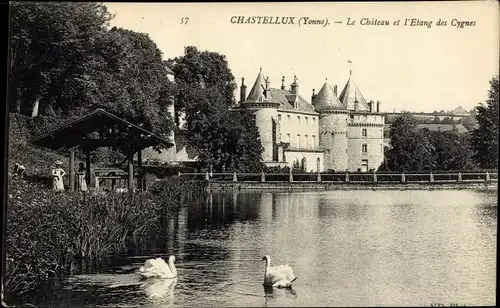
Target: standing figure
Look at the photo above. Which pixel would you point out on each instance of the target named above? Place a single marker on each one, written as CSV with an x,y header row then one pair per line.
x,y
82,182
57,176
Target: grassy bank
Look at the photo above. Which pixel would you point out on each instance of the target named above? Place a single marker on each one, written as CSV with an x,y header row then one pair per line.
x,y
49,233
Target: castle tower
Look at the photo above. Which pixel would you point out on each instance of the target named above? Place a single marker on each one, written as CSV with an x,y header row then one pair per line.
x,y
333,121
264,108
364,129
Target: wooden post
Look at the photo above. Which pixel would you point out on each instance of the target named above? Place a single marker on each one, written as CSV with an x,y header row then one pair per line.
x,y
459,177
262,176
72,169
403,179
431,178
487,176
235,179
318,179
374,177
140,181
87,166
96,183
131,171
290,176
346,176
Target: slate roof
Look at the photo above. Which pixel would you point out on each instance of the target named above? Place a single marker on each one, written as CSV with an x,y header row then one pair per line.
x,y
326,99
286,98
350,94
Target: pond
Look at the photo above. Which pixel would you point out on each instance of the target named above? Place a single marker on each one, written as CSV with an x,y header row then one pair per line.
x,y
348,248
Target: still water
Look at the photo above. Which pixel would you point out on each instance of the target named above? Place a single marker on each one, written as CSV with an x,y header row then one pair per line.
x,y
348,248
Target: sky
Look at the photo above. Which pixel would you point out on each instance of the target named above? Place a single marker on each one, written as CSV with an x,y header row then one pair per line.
x,y
413,68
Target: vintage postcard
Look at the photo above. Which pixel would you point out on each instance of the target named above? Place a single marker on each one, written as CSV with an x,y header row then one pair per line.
x,y
252,154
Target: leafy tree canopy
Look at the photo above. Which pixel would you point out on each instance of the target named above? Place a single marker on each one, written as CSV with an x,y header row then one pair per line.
x,y
226,139
485,137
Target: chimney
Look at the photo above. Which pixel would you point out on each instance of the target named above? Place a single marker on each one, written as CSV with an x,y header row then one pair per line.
x,y
294,87
378,106
243,90
267,91
313,97
371,104
283,83
335,90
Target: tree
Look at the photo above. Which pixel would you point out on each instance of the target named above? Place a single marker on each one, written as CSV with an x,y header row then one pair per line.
x,y
485,137
205,69
410,149
450,149
226,139
48,43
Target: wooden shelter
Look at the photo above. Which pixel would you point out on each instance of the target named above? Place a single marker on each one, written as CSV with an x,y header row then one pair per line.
x,y
101,129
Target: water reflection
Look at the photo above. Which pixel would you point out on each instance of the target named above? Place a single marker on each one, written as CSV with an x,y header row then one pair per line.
x,y
347,248
160,289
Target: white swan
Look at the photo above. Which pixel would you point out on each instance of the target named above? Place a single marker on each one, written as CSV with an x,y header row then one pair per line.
x,y
158,268
280,276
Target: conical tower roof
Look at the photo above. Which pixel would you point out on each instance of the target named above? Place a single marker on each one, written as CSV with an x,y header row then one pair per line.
x,y
326,99
257,92
350,94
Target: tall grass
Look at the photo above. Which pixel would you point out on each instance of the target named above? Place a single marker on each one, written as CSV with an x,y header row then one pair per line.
x,y
49,233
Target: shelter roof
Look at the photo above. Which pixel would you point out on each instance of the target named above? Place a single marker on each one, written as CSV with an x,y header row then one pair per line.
x,y
99,129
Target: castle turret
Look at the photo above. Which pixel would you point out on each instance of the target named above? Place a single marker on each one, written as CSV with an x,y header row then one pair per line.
x,y
365,130
264,108
333,128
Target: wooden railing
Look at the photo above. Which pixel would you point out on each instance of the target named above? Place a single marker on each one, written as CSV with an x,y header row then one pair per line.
x,y
348,177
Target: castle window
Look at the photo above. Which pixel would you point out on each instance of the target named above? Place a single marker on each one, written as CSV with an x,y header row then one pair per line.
x,y
298,141
279,117
352,116
313,143
306,141
314,121
288,116
288,138
363,132
298,119
307,120
364,148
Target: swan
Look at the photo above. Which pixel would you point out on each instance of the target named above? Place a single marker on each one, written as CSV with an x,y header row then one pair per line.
x,y
158,268
280,276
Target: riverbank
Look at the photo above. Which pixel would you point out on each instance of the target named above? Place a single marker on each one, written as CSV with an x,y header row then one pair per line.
x,y
308,185
53,234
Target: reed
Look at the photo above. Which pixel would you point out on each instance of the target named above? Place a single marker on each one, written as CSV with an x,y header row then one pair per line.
x,y
49,233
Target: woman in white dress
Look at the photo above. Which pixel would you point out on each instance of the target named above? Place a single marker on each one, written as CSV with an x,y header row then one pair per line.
x,y
82,183
57,176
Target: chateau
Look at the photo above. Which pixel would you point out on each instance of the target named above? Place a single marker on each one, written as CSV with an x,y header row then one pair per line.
x,y
333,132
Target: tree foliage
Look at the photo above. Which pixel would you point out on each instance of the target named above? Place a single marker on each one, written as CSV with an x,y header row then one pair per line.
x,y
226,139
410,149
414,149
65,62
485,137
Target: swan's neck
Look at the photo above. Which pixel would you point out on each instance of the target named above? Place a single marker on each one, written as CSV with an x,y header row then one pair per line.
x,y
268,264
172,267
